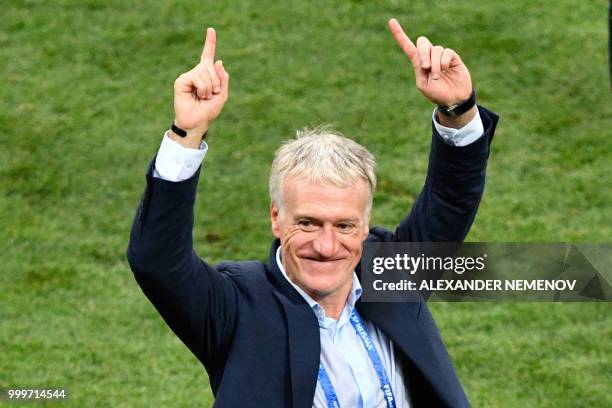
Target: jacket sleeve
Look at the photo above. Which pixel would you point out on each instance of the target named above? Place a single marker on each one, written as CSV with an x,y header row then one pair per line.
x,y
197,301
446,207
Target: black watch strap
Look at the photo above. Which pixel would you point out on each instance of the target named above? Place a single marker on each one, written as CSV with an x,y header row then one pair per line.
x,y
459,108
183,133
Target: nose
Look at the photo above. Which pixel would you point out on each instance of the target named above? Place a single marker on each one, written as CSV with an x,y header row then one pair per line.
x,y
326,243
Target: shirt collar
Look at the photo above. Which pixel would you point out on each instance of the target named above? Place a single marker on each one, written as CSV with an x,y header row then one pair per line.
x,y
354,295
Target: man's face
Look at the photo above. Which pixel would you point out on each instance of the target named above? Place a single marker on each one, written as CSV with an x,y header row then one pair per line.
x,y
321,229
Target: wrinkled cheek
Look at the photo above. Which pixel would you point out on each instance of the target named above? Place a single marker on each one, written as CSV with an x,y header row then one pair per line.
x,y
291,234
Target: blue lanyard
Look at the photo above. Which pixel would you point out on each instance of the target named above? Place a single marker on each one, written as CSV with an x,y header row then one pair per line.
x,y
328,388
385,384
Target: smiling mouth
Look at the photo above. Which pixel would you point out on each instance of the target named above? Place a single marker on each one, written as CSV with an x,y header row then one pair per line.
x,y
317,259
321,267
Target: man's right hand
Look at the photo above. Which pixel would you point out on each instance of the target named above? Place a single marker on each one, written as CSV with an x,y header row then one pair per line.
x,y
199,95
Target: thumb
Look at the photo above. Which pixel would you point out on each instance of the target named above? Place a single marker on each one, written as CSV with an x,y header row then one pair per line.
x,y
224,77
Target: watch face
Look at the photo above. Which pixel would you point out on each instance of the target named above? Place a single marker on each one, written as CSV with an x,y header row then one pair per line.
x,y
447,110
459,108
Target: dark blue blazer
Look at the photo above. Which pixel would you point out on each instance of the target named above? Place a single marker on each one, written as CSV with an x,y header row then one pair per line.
x,y
254,334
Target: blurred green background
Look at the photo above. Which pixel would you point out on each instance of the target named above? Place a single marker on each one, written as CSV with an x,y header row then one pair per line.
x,y
87,94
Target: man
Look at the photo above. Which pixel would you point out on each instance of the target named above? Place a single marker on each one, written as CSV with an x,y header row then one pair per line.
x,y
293,333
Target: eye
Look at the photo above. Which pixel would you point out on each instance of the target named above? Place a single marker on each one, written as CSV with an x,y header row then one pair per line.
x,y
346,227
306,224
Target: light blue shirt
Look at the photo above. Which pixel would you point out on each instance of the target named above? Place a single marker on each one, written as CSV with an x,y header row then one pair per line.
x,y
346,360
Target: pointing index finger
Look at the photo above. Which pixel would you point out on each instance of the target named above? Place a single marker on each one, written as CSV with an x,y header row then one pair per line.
x,y
209,45
402,39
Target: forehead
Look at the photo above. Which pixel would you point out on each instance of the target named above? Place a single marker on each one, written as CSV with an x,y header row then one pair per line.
x,y
304,198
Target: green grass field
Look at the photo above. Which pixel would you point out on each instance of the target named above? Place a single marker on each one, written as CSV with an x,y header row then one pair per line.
x,y
87,93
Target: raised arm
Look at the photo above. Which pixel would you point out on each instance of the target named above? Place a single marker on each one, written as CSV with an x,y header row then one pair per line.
x,y
196,301
447,205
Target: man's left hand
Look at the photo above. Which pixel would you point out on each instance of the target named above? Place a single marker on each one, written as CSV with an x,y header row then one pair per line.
x,y
440,74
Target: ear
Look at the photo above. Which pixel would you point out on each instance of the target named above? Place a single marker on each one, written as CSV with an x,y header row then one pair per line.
x,y
275,220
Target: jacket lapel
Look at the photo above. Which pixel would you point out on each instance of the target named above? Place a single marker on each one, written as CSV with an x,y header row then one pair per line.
x,y
304,350
302,333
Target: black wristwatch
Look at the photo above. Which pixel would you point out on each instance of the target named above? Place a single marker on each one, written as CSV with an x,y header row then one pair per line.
x,y
459,108
183,133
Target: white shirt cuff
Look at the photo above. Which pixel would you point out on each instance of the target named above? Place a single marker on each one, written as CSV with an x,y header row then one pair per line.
x,y
177,163
460,137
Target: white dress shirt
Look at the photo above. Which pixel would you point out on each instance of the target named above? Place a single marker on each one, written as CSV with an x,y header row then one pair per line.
x,y
177,163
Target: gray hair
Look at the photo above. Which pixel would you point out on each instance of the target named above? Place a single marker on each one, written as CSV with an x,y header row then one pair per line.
x,y
322,156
